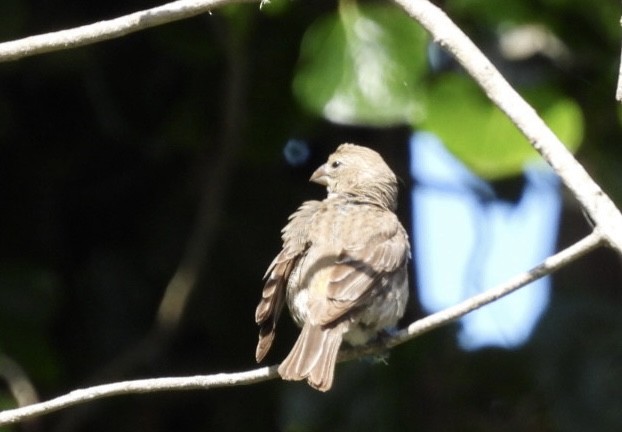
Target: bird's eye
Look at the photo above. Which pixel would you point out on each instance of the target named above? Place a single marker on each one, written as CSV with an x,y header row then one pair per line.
x,y
335,164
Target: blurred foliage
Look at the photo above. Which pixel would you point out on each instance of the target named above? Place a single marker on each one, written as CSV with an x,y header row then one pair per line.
x,y
108,151
366,65
363,65
483,137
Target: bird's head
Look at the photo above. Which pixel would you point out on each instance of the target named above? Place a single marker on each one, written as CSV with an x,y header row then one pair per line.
x,y
358,172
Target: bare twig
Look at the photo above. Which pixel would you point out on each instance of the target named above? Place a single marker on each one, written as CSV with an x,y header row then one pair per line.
x,y
599,206
21,388
17,381
424,325
217,182
205,382
216,174
110,29
138,386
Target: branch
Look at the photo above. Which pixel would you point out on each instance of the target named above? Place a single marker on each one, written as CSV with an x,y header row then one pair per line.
x,y
215,177
452,313
204,382
138,386
598,205
104,30
548,266
17,381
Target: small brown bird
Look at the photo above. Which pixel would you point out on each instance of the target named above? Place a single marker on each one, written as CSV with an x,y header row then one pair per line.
x,y
342,268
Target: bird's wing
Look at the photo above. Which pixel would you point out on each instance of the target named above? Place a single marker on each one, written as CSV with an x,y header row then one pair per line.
x,y
359,269
295,243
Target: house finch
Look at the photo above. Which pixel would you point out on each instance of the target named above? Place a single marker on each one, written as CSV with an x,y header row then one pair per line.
x,y
342,268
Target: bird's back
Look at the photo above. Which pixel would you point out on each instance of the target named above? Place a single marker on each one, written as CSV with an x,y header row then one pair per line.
x,y
339,230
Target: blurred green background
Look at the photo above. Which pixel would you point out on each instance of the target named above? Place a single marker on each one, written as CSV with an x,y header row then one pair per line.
x,y
127,162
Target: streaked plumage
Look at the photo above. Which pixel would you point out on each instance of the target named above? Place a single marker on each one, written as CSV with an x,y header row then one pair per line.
x,y
342,269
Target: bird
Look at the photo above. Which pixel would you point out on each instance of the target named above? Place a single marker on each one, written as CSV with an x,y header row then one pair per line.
x,y
342,269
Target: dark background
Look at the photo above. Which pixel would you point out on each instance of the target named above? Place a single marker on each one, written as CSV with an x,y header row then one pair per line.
x,y
125,162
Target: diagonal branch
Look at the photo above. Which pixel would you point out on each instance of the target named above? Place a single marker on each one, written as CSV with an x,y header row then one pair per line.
x,y
452,313
138,386
204,382
215,179
598,205
110,29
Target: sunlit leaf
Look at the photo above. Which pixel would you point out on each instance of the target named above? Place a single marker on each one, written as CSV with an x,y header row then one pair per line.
x,y
482,136
362,66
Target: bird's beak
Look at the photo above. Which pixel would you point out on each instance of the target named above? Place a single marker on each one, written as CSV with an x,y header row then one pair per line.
x,y
320,176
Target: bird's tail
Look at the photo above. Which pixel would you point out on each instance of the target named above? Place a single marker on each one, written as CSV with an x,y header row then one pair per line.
x,y
314,356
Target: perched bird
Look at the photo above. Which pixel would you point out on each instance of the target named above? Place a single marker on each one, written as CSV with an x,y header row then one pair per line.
x,y
342,269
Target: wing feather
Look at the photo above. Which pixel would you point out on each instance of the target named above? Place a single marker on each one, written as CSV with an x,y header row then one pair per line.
x,y
295,243
358,271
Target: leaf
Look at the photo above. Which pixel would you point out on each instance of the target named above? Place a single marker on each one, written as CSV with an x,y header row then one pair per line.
x,y
480,135
362,66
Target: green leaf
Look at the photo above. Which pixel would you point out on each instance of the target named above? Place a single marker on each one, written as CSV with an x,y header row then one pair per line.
x,y
362,66
480,135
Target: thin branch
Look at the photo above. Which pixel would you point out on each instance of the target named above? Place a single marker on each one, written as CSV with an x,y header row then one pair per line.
x,y
452,313
602,210
110,29
138,386
218,179
17,381
457,311
204,382
216,175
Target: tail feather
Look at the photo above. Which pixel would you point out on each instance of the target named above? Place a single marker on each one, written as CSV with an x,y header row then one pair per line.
x,y
313,356
266,337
